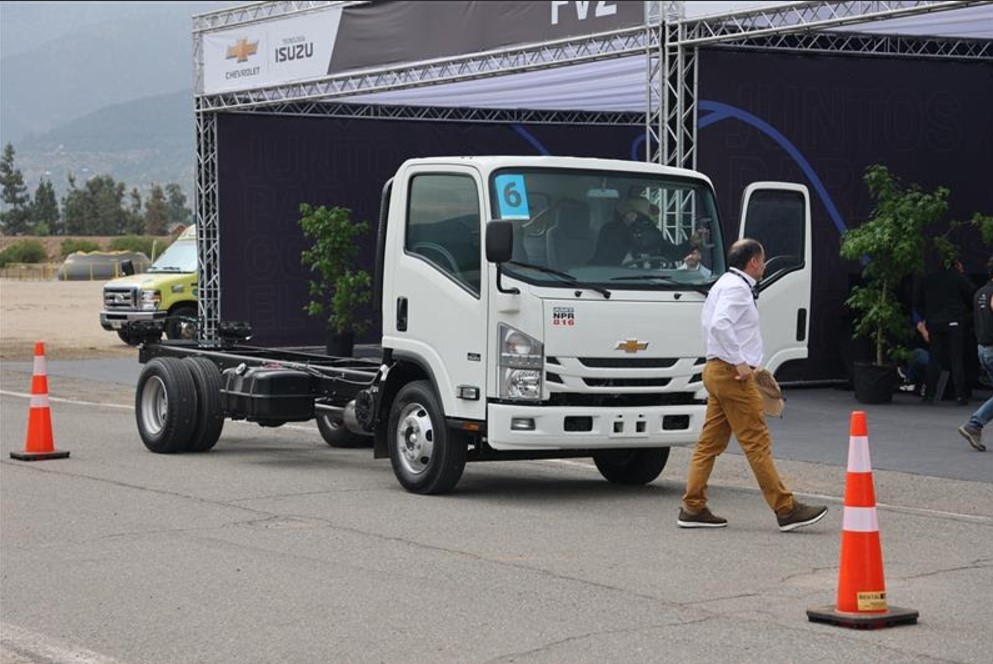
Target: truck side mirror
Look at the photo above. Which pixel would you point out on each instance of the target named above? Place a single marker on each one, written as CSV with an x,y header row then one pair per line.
x,y
499,240
127,267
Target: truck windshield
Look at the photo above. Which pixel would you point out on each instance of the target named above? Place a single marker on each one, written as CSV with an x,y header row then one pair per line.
x,y
181,256
618,230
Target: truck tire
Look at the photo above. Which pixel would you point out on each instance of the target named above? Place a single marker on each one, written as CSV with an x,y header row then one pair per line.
x,y
638,466
166,405
336,434
210,414
426,459
182,323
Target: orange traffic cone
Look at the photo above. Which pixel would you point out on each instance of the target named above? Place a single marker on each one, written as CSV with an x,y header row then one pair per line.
x,y
38,444
861,588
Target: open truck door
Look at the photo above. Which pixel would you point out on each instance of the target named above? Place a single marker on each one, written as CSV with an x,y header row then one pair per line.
x,y
777,214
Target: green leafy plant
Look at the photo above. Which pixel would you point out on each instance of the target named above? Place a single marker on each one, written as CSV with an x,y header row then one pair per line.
x,y
23,251
72,245
143,244
891,245
337,288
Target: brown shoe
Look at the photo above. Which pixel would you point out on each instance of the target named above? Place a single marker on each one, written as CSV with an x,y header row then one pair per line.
x,y
974,436
801,515
702,519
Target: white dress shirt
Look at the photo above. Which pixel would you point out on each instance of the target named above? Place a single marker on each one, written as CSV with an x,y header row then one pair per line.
x,y
731,320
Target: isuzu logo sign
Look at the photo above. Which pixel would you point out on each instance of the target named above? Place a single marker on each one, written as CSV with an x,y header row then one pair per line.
x,y
631,345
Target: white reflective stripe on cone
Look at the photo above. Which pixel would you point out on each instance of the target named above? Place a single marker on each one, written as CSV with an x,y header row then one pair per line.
x,y
39,366
39,401
858,455
860,520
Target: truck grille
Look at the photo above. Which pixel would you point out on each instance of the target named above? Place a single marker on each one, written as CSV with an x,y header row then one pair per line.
x,y
120,298
571,378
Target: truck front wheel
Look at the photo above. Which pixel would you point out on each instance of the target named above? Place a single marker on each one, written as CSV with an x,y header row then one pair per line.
x,y
639,466
425,457
182,323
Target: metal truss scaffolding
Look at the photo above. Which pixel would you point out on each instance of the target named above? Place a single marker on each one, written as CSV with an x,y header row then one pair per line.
x,y
669,41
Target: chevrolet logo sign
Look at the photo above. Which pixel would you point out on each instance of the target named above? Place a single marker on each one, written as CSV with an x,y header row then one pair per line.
x,y
242,49
631,345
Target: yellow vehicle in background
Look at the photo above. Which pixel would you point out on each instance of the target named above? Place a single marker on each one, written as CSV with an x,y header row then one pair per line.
x,y
167,292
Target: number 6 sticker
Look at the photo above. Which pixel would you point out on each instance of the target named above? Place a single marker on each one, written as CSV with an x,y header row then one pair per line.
x,y
512,197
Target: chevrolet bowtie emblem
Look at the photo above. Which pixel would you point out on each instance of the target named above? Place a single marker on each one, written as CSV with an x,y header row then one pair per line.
x,y
242,49
631,345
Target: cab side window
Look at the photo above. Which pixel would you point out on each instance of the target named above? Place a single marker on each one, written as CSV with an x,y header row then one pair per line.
x,y
443,225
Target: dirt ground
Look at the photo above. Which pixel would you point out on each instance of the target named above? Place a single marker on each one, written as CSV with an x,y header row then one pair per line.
x,y
65,315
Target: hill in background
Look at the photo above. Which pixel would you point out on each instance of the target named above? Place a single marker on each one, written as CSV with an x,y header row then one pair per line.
x,y
99,88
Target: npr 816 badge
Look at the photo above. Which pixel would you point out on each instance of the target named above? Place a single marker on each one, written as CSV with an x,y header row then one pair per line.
x,y
563,316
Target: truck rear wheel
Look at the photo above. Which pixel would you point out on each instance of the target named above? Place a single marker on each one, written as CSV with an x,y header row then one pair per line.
x,y
639,466
210,415
426,459
336,434
166,405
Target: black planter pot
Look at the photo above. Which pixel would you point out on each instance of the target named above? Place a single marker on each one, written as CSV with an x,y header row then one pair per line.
x,y
874,383
340,345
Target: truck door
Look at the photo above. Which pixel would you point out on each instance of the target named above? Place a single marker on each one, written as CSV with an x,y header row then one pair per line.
x,y
438,317
777,214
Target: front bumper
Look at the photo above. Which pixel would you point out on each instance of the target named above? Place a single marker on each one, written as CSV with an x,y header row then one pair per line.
x,y
116,320
554,427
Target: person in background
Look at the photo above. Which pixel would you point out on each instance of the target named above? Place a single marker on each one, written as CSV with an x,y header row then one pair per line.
x,y
733,341
942,298
982,312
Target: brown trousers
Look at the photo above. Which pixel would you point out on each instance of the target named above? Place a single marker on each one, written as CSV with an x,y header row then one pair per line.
x,y
734,406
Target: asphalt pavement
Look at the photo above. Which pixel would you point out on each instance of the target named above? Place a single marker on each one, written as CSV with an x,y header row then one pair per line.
x,y
274,547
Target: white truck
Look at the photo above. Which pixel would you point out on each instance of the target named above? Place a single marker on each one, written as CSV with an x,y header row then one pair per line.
x,y
522,317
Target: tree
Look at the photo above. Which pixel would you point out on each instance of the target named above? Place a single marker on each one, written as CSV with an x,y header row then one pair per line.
x,y
134,218
177,213
77,210
96,209
108,205
45,210
156,212
15,215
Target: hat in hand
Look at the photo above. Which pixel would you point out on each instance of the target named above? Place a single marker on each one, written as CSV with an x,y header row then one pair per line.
x,y
773,401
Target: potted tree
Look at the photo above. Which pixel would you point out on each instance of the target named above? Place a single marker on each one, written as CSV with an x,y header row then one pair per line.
x,y
890,244
337,288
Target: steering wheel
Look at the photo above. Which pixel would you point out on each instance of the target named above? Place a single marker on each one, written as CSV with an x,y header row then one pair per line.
x,y
657,261
781,262
433,252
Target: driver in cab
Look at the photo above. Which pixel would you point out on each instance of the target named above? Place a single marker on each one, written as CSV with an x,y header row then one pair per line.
x,y
630,234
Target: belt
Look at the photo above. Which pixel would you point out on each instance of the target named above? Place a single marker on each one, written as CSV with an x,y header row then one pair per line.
x,y
717,359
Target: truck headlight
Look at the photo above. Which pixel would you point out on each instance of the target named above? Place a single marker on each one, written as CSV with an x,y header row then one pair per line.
x,y
522,360
520,384
150,300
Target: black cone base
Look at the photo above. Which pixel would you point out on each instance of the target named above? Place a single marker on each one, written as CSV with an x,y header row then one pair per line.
x,y
892,617
38,456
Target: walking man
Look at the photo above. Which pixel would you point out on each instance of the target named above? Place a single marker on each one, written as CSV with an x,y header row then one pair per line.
x,y
734,405
982,311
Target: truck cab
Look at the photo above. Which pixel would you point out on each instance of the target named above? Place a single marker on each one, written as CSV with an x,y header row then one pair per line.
x,y
550,306
167,292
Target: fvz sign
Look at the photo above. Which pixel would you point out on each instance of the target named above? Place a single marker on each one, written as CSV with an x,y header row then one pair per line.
x,y
583,9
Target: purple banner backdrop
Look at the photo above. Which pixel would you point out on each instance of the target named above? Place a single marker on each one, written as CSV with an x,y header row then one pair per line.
x,y
816,120
822,121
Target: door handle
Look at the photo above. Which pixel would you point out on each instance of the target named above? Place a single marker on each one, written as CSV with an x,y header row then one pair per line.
x,y
401,314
